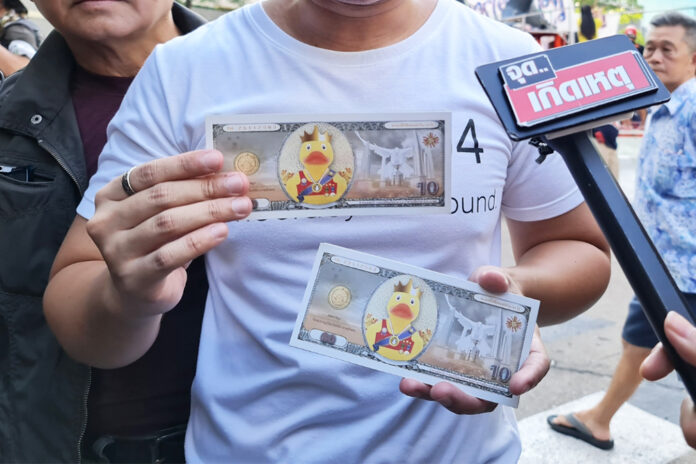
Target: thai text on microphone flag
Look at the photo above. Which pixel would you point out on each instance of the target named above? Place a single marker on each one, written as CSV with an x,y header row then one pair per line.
x,y
539,93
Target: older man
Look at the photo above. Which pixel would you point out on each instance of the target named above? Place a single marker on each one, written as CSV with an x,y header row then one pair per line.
x,y
53,117
665,202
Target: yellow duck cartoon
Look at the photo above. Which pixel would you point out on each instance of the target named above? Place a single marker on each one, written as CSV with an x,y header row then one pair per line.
x,y
317,183
395,338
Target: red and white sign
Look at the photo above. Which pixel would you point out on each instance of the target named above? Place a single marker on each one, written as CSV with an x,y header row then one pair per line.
x,y
580,87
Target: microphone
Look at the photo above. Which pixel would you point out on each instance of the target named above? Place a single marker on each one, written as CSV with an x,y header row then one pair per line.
x,y
552,97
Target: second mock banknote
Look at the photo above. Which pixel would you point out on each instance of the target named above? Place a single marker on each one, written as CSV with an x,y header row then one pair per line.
x,y
415,323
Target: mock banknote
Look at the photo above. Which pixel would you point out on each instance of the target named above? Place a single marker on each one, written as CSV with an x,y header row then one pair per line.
x,y
415,323
340,164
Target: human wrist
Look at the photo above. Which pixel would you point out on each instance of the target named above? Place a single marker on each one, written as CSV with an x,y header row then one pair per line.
x,y
126,311
519,279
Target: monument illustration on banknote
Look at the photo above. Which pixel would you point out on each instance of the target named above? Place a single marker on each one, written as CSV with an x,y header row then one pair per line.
x,y
313,165
415,323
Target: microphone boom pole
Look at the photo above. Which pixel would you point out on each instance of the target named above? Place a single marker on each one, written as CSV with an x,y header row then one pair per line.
x,y
635,252
521,91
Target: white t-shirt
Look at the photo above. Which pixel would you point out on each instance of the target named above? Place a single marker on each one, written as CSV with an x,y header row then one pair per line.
x,y
255,398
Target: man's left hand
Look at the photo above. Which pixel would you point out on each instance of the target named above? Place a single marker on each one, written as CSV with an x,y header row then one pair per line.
x,y
535,367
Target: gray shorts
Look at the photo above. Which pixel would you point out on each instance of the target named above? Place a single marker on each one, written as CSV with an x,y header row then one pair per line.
x,y
637,330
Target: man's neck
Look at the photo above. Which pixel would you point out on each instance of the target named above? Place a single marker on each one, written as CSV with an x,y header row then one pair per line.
x,y
120,58
333,25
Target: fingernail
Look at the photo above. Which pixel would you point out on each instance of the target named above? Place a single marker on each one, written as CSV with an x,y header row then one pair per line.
x,y
241,205
218,231
211,159
679,324
233,183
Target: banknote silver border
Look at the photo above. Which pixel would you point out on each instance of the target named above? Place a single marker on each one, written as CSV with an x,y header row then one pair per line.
x,y
425,274
446,116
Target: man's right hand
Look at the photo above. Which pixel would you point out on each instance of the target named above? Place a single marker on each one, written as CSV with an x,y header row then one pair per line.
x,y
178,213
115,275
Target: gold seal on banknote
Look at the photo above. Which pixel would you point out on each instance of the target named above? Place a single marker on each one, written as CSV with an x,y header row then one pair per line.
x,y
339,297
246,162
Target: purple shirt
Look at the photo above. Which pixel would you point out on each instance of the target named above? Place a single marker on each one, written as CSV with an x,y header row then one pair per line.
x,y
95,99
135,399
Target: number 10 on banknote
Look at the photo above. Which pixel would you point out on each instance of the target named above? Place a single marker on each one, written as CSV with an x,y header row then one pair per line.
x,y
316,165
415,323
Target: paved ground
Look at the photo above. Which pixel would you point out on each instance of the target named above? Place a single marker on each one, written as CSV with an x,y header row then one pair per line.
x,y
584,352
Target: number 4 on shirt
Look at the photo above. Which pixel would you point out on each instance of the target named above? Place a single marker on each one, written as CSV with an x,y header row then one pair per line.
x,y
470,127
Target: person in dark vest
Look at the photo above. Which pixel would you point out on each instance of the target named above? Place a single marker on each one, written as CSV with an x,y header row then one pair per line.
x,y
53,119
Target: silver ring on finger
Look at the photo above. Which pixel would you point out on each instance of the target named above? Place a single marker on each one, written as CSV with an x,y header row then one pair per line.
x,y
125,182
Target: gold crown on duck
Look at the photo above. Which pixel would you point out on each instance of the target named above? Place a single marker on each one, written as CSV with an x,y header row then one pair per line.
x,y
408,288
316,136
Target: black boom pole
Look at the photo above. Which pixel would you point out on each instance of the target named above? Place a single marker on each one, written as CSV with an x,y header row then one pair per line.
x,y
635,252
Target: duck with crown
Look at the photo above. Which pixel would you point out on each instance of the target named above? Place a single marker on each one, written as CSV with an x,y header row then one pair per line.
x,y
317,183
395,338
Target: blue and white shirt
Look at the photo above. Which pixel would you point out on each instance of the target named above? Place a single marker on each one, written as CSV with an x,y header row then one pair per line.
x,y
666,184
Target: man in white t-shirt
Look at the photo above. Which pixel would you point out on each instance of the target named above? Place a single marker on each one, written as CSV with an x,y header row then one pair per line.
x,y
256,399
